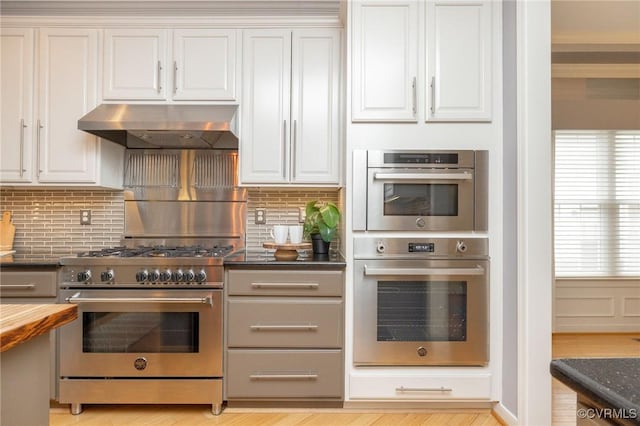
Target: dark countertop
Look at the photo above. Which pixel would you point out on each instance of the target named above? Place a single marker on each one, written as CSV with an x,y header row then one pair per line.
x,y
27,261
251,260
608,382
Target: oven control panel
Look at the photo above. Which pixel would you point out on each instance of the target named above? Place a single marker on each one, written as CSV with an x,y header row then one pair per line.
x,y
419,248
139,276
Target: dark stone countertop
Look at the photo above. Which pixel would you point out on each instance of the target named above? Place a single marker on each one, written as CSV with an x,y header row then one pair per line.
x,y
261,259
608,382
27,261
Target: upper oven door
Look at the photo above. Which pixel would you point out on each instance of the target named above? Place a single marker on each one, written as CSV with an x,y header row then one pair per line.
x,y
422,312
143,333
420,199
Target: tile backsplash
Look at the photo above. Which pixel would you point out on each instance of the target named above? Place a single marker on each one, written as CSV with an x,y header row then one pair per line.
x,y
48,221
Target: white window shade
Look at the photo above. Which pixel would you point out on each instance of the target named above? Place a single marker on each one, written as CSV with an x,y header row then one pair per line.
x,y
597,203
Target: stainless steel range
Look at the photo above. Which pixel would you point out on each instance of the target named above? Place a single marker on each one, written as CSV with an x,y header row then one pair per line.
x,y
150,311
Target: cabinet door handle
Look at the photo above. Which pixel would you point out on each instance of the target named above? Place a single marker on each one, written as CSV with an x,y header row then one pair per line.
x,y
17,286
301,286
284,145
159,75
38,131
175,77
433,95
440,389
415,95
293,149
259,376
22,127
304,327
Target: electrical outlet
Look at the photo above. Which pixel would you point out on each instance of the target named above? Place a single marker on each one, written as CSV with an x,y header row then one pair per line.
x,y
261,216
85,217
302,214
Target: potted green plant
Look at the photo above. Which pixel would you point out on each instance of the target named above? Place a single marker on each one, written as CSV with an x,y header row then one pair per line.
x,y
320,224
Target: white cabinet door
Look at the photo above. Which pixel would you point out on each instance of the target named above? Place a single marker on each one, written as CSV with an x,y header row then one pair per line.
x,y
385,60
135,64
266,81
16,104
67,91
459,60
315,101
204,64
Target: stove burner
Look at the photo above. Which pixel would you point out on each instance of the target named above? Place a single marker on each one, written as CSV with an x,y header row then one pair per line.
x,y
160,251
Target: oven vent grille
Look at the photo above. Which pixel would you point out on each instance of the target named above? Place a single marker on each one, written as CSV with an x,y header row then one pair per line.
x,y
152,169
215,170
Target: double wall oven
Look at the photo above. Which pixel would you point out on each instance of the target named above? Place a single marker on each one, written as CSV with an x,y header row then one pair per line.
x,y
421,297
150,311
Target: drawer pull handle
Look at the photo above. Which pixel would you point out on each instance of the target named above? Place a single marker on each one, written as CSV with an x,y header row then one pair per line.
x,y
17,286
283,376
440,389
307,327
285,285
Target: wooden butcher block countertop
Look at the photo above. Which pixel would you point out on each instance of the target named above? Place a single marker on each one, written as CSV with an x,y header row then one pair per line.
x,y
19,323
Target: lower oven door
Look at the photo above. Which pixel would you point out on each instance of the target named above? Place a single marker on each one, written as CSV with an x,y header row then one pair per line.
x,y
143,333
409,312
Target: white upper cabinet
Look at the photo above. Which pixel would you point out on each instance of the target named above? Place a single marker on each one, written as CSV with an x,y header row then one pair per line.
x,y
44,145
459,60
290,107
204,64
140,64
16,103
431,55
385,60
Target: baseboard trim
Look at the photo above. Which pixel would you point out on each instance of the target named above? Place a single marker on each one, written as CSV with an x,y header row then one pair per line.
x,y
503,415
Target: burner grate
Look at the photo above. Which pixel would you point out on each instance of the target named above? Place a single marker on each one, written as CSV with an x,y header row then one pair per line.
x,y
160,251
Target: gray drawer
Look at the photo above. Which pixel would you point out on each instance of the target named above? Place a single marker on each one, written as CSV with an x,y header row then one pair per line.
x,y
284,374
284,322
28,284
285,283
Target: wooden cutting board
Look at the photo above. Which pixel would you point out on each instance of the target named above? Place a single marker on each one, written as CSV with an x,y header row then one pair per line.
x,y
7,232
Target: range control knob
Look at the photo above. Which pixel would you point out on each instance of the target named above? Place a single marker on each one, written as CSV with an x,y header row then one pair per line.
x,y
461,247
84,276
380,247
420,222
165,275
177,276
201,276
142,276
189,275
154,275
107,276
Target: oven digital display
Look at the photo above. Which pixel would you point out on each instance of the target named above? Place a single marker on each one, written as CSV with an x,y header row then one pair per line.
x,y
420,158
421,247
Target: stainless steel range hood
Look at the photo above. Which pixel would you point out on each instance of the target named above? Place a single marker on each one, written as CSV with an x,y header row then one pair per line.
x,y
164,126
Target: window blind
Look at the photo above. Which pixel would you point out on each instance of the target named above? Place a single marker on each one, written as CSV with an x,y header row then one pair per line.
x,y
597,203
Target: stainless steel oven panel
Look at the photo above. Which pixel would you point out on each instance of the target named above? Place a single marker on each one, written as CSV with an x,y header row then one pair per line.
x,y
471,352
377,220
466,159
184,219
207,362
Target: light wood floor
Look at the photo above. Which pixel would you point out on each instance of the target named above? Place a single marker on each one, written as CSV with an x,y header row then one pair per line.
x,y
564,402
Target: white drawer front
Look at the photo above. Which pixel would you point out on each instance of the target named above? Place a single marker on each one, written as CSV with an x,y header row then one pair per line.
x,y
421,387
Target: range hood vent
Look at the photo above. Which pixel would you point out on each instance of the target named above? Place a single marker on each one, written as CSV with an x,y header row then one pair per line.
x,y
164,126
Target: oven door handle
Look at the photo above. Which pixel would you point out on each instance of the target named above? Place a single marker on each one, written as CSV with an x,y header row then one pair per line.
x,y
199,300
422,176
478,270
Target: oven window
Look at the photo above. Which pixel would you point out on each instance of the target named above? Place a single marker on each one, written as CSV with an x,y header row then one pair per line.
x,y
419,311
150,332
408,199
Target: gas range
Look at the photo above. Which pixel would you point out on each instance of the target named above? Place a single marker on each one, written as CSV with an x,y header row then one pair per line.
x,y
147,266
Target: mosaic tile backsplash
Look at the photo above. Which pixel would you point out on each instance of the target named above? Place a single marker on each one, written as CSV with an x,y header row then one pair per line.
x,y
48,221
